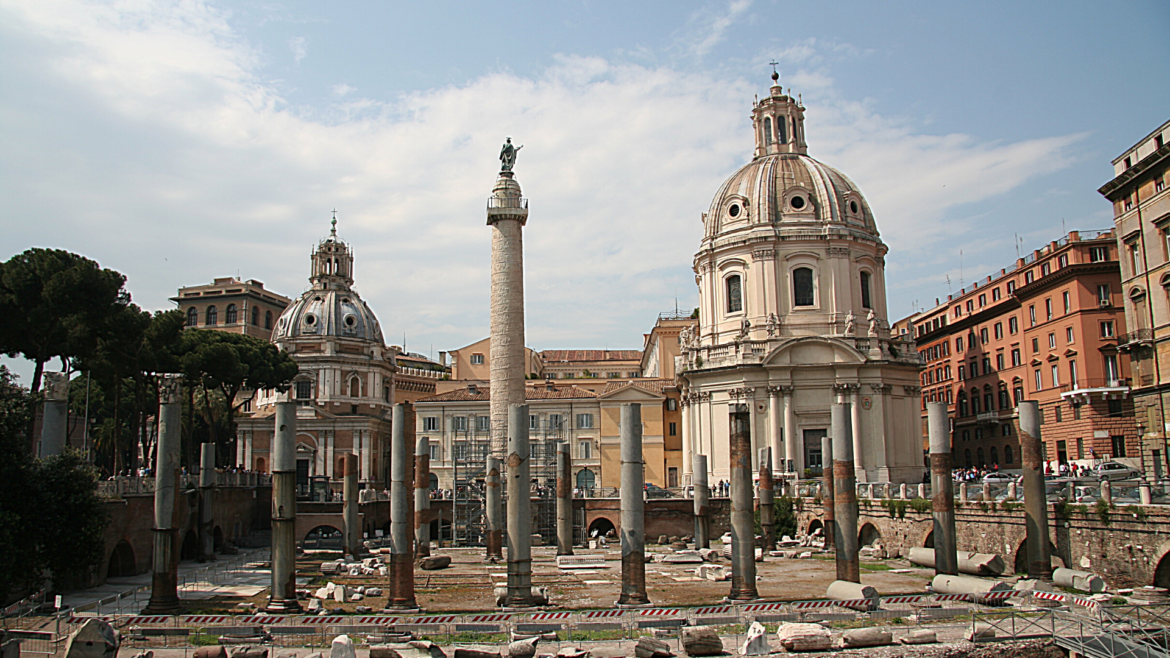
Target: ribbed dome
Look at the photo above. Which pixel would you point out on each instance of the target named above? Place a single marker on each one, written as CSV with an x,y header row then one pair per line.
x,y
791,191
336,313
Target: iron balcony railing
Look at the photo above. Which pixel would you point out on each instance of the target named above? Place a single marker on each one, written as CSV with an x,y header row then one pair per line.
x,y
515,203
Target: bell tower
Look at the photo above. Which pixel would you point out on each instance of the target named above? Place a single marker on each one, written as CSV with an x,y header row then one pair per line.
x,y
332,263
778,121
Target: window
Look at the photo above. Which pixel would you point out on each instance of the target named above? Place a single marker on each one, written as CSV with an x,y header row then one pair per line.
x,y
1045,269
982,300
802,287
986,365
585,449
1047,309
988,400
865,300
1115,408
1072,372
460,423
533,422
585,421
958,310
1004,403
1011,287
556,422
212,316
1135,256
304,390
962,370
255,316
1052,341
435,452
963,409
767,130
1118,445
1159,185
975,406
970,306
229,316
1007,452
1038,380
483,423
1067,302
959,344
1111,372
734,286
1013,325
1103,294
1018,394
430,423
613,375
1062,262
1016,360
999,361
1032,314
674,429
1055,375
1107,329
355,387
1035,345
1029,276
994,455
1098,254
268,320
671,404
477,359
983,336
998,330
995,294
192,317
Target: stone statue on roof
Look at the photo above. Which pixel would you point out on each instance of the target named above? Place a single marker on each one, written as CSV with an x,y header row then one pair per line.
x,y
508,155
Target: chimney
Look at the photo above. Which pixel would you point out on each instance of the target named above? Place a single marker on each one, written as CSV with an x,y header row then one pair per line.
x,y
473,389
443,359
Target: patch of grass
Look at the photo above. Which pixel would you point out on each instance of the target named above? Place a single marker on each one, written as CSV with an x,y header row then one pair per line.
x,y
470,638
921,505
875,566
1011,506
204,639
1138,512
1103,508
591,636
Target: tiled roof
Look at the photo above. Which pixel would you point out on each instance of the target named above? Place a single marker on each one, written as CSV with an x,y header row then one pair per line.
x,y
652,385
552,356
540,391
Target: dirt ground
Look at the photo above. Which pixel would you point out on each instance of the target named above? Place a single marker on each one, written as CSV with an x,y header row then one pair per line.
x,y
466,586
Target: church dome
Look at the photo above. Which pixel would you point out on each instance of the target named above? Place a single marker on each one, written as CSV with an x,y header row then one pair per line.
x,y
331,308
793,193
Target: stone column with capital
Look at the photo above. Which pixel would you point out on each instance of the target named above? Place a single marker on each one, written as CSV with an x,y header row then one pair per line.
x,y
55,414
858,445
507,214
687,465
164,594
775,425
793,450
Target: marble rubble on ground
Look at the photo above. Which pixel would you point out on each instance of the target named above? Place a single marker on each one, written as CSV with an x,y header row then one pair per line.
x,y
468,652
701,641
799,637
714,572
523,648
94,639
866,637
342,647
648,647
434,562
756,643
920,636
573,652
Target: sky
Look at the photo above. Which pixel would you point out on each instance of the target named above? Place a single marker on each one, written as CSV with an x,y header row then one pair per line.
x,y
177,142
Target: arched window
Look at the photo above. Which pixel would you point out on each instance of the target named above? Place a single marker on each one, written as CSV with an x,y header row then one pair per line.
x,y
192,316
355,387
767,130
734,294
803,291
975,403
781,133
255,316
586,479
212,316
962,404
866,302
268,320
994,455
260,465
988,400
1004,401
1007,454
230,314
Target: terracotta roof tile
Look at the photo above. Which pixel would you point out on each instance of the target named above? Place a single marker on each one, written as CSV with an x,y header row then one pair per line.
x,y
538,391
653,385
552,356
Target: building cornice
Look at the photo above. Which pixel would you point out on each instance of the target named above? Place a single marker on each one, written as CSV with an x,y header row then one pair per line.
x,y
1110,190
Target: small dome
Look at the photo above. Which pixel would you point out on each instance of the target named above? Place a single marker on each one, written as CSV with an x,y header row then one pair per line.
x,y
333,313
792,192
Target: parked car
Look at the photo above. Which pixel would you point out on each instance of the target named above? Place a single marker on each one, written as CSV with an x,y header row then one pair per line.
x,y
655,491
1115,471
997,478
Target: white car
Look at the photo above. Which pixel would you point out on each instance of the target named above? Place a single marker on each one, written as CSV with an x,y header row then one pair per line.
x,y
996,478
1115,471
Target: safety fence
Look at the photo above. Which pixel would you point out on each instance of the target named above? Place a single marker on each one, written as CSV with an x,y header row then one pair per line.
x,y
1082,626
314,630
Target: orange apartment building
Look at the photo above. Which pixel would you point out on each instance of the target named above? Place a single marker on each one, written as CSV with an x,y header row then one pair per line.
x,y
228,304
1046,329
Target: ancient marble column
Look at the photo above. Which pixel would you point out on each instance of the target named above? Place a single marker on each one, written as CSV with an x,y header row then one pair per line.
x,y
633,517
352,530
564,500
495,511
946,557
283,594
827,498
402,509
767,508
56,413
422,497
164,594
206,501
793,446
519,537
743,534
702,495
858,445
1035,494
507,214
776,426
845,510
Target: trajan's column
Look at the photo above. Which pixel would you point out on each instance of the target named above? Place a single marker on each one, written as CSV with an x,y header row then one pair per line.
x,y
507,213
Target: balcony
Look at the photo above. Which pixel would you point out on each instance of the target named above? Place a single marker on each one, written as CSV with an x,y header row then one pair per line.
x,y
1082,391
1135,338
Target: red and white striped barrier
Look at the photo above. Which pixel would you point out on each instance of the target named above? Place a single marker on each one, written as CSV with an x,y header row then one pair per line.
x,y
763,607
320,621
996,596
603,614
1087,603
549,616
149,619
903,599
206,619
716,610
480,619
1049,596
952,597
659,612
262,620
809,605
438,619
82,620
379,620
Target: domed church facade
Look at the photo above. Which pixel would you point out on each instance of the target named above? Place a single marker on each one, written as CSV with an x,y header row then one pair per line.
x,y
792,316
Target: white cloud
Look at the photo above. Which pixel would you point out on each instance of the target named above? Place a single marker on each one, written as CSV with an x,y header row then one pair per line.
x,y
713,28
299,47
184,166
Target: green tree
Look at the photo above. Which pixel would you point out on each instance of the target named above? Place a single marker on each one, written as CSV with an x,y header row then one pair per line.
x,y
54,304
71,518
19,561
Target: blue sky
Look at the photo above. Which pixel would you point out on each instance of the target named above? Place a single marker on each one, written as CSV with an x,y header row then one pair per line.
x,y
181,141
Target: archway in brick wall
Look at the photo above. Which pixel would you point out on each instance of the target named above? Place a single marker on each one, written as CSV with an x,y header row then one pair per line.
x,y
929,541
602,527
217,539
122,561
869,535
1020,563
1162,571
813,526
324,537
190,549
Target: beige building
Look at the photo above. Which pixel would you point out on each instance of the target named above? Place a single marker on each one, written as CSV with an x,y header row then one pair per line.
x,y
792,316
228,304
1141,212
591,370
